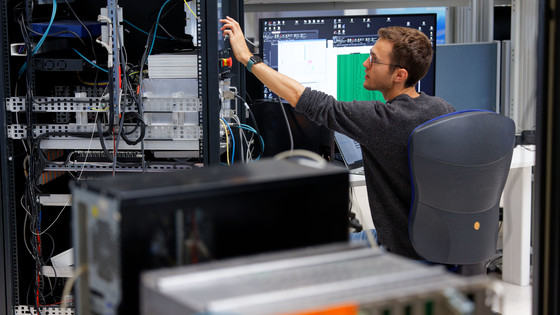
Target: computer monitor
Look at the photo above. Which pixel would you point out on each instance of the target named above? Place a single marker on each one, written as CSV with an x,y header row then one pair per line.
x,y
326,53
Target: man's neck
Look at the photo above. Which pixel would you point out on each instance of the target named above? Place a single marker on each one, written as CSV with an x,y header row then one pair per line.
x,y
410,91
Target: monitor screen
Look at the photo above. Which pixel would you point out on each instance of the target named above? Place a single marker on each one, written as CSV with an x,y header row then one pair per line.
x,y
326,53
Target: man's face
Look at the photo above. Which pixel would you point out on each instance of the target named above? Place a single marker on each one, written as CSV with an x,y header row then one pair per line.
x,y
379,75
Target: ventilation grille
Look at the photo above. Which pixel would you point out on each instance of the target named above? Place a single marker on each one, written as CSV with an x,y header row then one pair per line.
x,y
104,251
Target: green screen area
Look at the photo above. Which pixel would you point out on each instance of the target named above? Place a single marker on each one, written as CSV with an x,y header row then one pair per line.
x,y
350,79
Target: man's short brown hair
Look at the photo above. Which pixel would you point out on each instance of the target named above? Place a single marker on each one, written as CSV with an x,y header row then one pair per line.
x,y
412,50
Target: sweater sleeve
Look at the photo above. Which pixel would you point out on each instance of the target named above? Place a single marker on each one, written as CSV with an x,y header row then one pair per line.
x,y
346,117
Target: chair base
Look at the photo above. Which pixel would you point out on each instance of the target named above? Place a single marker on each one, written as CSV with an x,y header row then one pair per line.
x,y
463,270
472,269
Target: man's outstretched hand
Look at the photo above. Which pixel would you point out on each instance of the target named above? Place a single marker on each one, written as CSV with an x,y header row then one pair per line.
x,y
232,30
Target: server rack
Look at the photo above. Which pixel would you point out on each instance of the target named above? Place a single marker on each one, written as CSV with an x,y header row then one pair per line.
x,y
14,293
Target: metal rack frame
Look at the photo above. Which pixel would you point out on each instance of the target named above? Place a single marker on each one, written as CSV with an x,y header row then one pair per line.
x,y
209,145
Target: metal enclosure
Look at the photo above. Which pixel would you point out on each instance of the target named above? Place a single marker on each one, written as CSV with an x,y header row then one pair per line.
x,y
123,226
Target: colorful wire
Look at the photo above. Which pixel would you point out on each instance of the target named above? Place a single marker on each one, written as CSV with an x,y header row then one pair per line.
x,y
156,27
232,140
191,10
93,64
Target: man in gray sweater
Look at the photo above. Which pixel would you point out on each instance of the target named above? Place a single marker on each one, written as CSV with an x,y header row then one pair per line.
x,y
399,59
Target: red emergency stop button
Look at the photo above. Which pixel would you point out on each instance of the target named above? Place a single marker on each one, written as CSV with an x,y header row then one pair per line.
x,y
226,62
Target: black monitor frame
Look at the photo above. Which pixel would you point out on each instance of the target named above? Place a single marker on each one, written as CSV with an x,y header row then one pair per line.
x,y
351,31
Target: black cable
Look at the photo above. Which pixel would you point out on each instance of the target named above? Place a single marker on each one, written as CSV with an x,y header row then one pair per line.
x,y
51,293
248,97
102,142
111,158
139,105
142,131
111,100
139,100
33,165
188,40
87,30
122,108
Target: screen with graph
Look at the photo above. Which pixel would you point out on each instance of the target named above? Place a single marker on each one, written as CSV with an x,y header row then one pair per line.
x,y
326,53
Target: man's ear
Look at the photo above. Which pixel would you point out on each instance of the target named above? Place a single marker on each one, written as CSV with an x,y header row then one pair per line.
x,y
401,75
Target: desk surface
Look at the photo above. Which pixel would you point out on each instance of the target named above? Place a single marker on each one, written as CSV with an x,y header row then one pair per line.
x,y
357,180
517,201
523,156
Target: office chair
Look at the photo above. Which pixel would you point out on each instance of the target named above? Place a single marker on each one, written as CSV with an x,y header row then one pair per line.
x,y
459,164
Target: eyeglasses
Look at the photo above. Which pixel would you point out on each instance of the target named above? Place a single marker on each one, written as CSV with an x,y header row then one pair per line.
x,y
373,59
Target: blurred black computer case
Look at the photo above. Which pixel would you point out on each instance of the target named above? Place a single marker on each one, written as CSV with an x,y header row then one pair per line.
x,y
125,225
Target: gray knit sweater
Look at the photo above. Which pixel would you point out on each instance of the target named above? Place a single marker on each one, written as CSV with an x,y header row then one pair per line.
x,y
382,131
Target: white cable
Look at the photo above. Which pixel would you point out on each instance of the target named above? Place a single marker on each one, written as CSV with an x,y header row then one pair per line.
x,y
252,142
53,222
89,147
109,46
243,136
70,283
103,44
24,228
24,207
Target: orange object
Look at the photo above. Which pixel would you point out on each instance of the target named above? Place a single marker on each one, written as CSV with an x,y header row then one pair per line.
x,y
341,309
48,176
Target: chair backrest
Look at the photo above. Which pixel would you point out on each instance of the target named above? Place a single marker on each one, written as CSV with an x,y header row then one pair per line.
x,y
459,165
